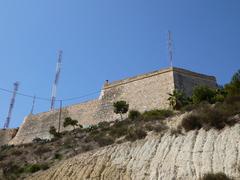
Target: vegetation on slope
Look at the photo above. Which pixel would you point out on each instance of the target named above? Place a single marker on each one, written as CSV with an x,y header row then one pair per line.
x,y
210,109
16,162
217,176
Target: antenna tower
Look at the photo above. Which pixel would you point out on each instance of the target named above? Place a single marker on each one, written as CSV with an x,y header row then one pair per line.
x,y
170,48
33,104
55,83
7,122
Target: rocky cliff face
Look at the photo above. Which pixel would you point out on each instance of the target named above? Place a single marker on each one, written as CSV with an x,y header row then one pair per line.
x,y
7,135
166,156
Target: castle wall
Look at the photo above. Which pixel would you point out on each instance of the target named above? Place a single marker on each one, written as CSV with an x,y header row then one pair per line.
x,y
38,125
149,91
186,81
144,92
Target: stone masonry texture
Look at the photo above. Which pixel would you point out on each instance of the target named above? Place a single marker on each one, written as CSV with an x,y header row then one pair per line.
x,y
143,92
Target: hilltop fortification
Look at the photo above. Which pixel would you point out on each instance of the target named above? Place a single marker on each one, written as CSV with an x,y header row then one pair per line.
x,y
143,92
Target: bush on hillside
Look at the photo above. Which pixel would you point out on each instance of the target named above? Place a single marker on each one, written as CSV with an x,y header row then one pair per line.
x,y
134,134
159,128
42,150
103,140
208,117
119,131
58,156
53,131
191,122
203,93
32,168
156,114
70,122
11,170
104,125
134,114
217,176
177,99
6,147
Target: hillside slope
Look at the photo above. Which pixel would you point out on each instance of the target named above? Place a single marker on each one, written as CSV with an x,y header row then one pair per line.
x,y
166,156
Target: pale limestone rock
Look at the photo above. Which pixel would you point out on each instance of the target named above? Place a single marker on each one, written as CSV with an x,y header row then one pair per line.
x,y
163,157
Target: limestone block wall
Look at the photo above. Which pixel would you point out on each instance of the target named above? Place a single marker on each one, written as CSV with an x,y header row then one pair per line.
x,y
144,92
149,91
186,80
38,125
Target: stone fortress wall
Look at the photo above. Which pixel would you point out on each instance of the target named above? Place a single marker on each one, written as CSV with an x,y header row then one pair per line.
x,y
143,92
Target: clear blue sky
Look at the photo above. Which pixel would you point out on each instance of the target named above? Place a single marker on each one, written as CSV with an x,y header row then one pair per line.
x,y
109,39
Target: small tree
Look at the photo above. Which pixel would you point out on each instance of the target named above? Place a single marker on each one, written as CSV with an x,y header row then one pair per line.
x,y
70,122
177,99
120,107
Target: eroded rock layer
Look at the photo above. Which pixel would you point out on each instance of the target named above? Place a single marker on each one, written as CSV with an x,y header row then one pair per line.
x,y
164,157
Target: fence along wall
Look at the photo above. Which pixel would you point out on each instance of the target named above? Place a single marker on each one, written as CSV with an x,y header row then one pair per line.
x,y
144,92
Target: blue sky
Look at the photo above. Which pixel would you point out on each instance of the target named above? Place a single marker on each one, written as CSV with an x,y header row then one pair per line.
x,y
109,39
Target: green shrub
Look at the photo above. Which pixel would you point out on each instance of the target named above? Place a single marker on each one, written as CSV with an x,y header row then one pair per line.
x,y
220,95
156,114
203,93
16,152
2,156
159,128
134,114
42,150
91,128
118,131
177,99
44,166
233,88
58,156
175,131
208,117
120,128
104,125
11,170
217,176
191,122
32,168
134,134
189,107
103,140
54,132
6,147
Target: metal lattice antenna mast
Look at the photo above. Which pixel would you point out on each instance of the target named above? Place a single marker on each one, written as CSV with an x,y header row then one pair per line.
x,y
33,104
54,88
170,48
7,122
